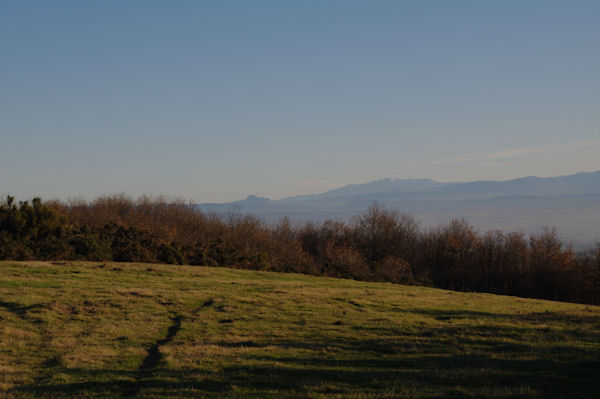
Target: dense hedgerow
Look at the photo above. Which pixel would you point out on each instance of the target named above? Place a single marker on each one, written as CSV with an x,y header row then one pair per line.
x,y
380,245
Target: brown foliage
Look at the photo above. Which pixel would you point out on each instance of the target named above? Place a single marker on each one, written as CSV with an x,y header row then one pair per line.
x,y
380,245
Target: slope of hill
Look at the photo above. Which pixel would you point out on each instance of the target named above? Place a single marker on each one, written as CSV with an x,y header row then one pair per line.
x,y
114,330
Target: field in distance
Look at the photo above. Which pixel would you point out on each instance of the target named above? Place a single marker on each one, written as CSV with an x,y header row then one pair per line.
x,y
84,329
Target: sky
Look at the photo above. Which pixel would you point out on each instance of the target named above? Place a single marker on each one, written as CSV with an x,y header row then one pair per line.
x,y
214,100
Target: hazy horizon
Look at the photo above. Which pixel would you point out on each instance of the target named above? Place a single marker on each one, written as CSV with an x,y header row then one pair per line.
x,y
169,196
213,101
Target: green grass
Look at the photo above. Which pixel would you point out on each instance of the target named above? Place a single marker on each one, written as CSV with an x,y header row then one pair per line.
x,y
136,330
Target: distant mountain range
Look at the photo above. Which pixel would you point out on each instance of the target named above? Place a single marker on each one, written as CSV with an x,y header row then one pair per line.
x,y
570,203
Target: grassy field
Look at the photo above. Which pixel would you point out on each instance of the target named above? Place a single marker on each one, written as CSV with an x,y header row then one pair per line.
x,y
137,330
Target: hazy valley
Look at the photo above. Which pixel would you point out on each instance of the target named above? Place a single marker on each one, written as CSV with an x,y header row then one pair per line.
x,y
569,203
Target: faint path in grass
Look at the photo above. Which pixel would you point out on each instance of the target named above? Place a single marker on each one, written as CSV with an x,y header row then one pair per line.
x,y
154,357
54,361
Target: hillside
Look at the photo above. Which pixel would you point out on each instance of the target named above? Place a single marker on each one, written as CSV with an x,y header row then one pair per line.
x,y
140,330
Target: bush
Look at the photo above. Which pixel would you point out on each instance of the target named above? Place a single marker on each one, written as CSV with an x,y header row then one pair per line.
x,y
394,270
380,245
168,254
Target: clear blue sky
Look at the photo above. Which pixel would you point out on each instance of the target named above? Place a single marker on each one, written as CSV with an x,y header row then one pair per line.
x,y
212,101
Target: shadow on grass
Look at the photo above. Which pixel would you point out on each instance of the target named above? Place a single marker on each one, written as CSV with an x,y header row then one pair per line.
x,y
446,376
116,383
154,357
545,317
452,360
18,309
471,372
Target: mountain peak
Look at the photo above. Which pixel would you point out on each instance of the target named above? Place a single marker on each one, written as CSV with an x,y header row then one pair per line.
x,y
254,199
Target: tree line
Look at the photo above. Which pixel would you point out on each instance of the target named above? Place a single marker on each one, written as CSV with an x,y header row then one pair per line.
x,y
379,245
